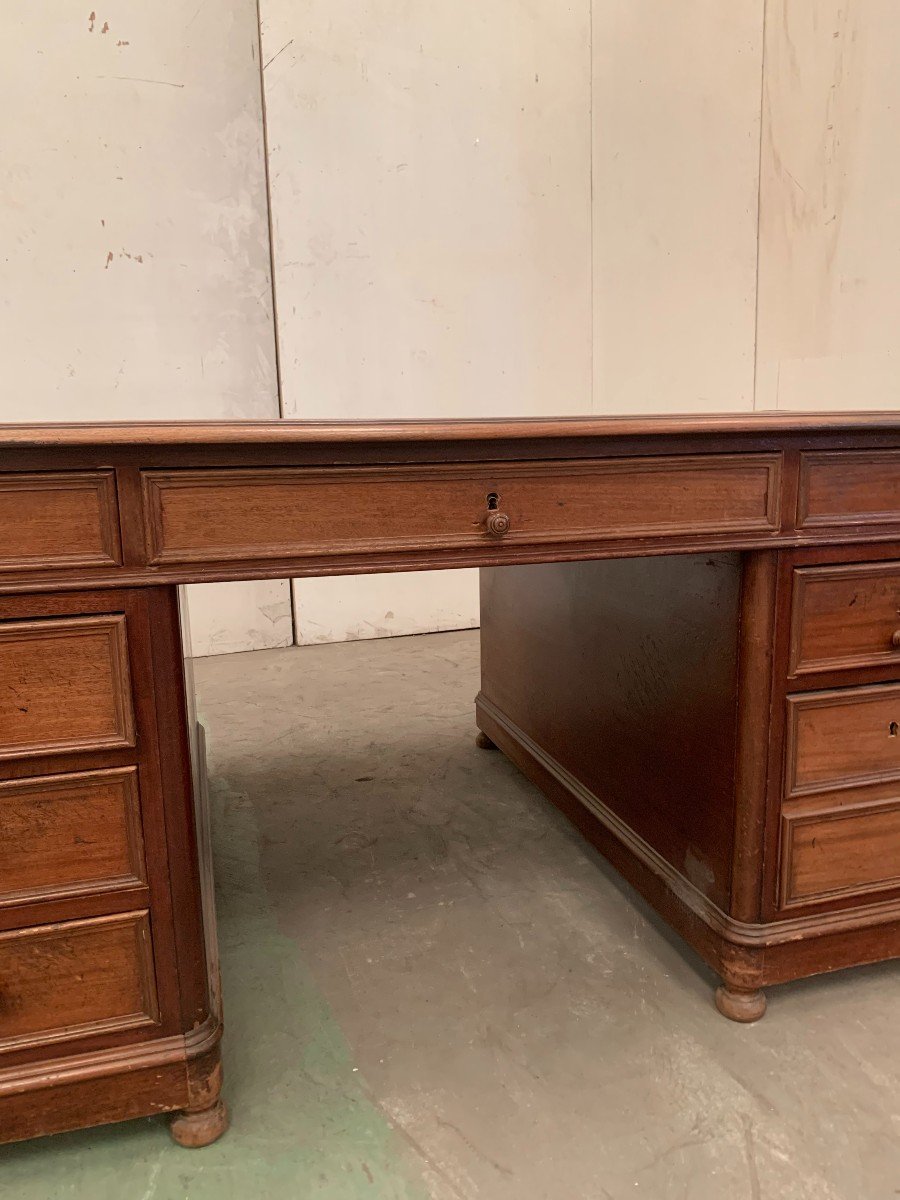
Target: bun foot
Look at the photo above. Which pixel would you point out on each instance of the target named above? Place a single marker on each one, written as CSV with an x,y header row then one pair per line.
x,y
737,1005
483,742
196,1129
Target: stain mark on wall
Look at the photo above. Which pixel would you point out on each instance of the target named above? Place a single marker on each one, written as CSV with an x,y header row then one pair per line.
x,y
91,19
138,258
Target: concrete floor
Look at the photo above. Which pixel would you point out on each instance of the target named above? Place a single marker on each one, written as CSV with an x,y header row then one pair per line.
x,y
435,989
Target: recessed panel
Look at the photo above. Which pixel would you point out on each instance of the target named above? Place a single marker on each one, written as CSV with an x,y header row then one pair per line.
x,y
842,852
209,515
845,617
58,520
842,738
66,686
838,489
76,978
70,834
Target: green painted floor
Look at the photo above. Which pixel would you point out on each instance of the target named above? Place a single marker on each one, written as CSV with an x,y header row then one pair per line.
x,y
307,1131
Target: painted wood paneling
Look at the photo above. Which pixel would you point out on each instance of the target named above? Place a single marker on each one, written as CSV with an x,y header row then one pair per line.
x,y
676,100
430,183
134,279
830,207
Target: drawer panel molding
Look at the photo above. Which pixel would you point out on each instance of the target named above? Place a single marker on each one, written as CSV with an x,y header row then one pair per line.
x,y
68,686
839,852
209,515
70,835
845,617
842,488
76,979
844,738
59,519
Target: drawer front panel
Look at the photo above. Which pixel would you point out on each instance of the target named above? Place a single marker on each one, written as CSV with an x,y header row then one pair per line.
x,y
209,515
845,617
65,835
839,489
842,739
58,520
841,852
67,686
76,979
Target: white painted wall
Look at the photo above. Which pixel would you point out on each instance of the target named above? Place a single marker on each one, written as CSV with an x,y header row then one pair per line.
x,y
134,279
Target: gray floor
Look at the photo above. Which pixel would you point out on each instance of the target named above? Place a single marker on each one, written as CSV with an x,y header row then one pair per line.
x,y
435,989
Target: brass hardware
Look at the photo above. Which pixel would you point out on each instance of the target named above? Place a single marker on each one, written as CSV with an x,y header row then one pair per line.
x,y
497,523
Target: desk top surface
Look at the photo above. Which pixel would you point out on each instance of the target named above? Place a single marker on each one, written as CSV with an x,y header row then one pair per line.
x,y
287,432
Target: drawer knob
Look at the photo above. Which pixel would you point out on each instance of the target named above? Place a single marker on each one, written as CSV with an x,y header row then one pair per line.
x,y
497,523
895,639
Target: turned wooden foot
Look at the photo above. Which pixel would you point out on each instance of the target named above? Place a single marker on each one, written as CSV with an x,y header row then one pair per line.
x,y
202,1128
483,742
740,1005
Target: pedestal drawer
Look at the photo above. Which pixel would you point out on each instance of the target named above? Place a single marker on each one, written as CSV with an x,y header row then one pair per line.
x,y
67,686
75,979
64,835
845,617
842,738
837,851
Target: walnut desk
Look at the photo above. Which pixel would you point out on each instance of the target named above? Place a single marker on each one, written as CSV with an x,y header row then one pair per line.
x,y
693,647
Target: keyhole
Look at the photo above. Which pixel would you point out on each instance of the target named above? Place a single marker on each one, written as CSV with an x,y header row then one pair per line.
x,y
493,501
893,729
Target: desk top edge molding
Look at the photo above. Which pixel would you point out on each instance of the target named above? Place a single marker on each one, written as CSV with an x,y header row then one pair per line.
x,y
288,432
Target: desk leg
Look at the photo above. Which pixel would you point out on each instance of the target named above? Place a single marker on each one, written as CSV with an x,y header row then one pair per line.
x,y
205,1118
739,1005
196,1129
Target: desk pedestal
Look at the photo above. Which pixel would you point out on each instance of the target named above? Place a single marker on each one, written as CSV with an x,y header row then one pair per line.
x,y
658,703
109,1003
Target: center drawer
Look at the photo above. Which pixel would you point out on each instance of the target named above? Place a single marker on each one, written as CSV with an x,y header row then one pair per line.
x,y
221,514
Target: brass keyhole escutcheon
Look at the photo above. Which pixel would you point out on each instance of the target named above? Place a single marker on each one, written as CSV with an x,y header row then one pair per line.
x,y
496,522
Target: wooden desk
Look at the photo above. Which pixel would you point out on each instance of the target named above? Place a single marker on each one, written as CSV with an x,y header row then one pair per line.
x,y
707,681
